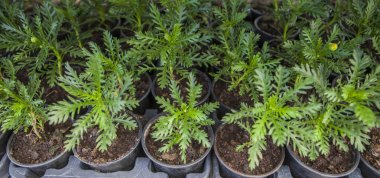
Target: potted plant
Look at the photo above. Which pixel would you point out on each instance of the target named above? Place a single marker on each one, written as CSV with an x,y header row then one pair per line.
x,y
369,164
286,18
106,137
178,140
240,57
343,122
118,61
34,144
250,142
318,48
174,46
35,43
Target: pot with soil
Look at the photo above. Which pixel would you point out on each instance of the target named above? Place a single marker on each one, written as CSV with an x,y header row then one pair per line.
x,y
228,100
370,159
143,87
170,162
337,164
39,154
235,164
201,78
120,155
265,27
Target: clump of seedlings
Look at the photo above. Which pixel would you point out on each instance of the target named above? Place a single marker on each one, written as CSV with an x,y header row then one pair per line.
x,y
181,134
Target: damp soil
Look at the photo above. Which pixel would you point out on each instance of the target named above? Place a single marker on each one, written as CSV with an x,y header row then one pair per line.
x,y
173,156
232,136
230,98
336,162
122,145
200,79
142,86
372,153
27,148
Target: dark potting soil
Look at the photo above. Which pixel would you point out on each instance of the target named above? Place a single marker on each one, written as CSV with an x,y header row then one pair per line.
x,y
336,162
267,24
230,98
27,148
232,136
53,94
173,157
200,79
142,86
122,145
372,153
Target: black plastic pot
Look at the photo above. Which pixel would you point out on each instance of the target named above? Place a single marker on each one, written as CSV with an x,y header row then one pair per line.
x,y
298,168
144,101
57,162
227,171
175,170
124,163
3,142
203,100
368,171
266,36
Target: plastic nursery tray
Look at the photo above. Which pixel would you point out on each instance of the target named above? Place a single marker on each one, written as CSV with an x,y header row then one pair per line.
x,y
143,169
283,172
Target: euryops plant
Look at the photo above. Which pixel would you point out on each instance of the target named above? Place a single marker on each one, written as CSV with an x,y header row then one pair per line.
x,y
172,43
239,59
348,106
22,108
275,114
183,121
107,101
34,41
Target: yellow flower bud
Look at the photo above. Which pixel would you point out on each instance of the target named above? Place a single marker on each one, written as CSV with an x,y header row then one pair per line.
x,y
333,46
33,40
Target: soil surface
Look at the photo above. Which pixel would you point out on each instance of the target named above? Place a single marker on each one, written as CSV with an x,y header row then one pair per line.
x,y
232,136
173,157
230,98
27,148
200,79
122,145
372,153
142,86
336,162
267,24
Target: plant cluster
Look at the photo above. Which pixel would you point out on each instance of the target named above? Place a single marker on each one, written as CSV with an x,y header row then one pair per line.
x,y
311,92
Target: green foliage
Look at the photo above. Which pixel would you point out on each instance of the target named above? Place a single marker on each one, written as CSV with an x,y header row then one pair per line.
x,y
290,14
313,49
20,105
96,90
173,44
76,15
183,120
230,15
34,41
239,60
348,106
275,113
363,17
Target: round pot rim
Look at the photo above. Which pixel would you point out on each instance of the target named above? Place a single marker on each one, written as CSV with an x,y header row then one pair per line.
x,y
369,165
352,169
256,23
243,174
14,161
149,155
213,94
149,88
153,90
120,158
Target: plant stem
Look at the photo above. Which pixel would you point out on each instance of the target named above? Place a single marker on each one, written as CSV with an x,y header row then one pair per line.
x,y
59,60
